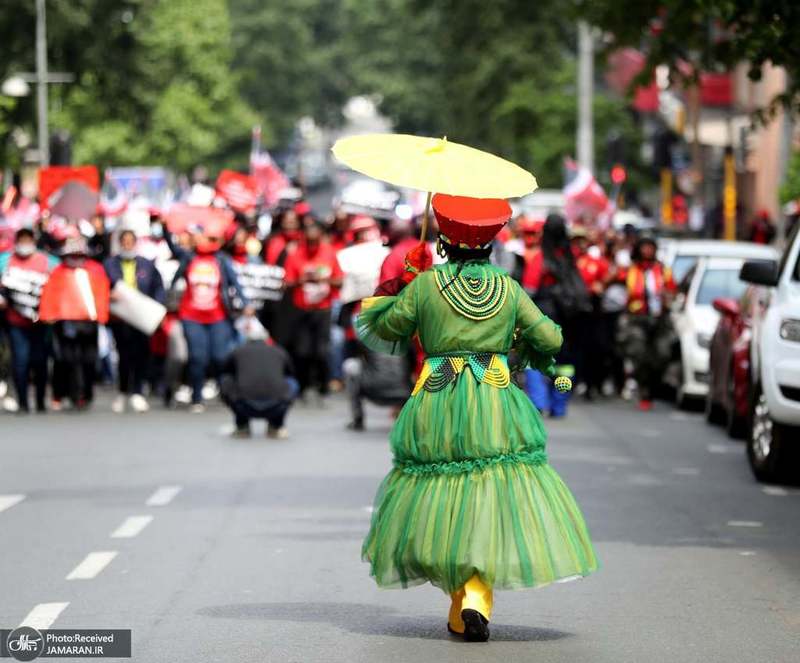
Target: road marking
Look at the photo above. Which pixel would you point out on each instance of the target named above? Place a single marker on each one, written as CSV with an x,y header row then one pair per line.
x,y
164,495
650,432
686,471
132,526
722,449
747,553
745,523
368,509
775,491
92,565
7,501
43,615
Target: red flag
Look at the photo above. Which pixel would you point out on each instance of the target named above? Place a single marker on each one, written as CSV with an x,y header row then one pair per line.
x,y
240,191
52,178
584,196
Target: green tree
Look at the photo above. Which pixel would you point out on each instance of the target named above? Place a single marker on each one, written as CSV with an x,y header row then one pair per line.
x,y
711,35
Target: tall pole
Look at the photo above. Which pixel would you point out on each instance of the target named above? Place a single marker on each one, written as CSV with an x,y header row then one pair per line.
x,y
585,96
41,83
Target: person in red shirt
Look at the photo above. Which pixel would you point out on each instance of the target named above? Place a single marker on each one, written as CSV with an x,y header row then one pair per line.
x,y
313,276
284,239
23,273
403,237
75,300
213,297
531,233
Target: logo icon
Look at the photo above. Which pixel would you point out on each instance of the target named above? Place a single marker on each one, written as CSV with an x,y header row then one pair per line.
x,y
25,643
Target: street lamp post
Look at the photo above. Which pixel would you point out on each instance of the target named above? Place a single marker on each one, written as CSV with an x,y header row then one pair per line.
x,y
41,83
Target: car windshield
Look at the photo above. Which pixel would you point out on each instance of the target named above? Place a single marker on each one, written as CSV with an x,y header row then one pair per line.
x,y
681,265
717,283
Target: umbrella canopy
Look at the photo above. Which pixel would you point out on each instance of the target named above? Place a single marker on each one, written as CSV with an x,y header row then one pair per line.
x,y
434,165
211,221
74,201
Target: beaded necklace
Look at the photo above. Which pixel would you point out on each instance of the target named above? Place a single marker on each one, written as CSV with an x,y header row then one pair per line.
x,y
473,291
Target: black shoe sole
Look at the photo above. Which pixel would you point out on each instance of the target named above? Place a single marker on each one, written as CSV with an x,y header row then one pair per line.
x,y
476,626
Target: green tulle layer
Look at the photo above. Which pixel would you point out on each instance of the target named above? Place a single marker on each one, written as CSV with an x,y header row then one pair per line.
x,y
374,308
517,525
472,492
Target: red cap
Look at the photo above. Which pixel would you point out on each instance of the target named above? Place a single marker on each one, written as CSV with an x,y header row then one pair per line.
x,y
301,208
470,222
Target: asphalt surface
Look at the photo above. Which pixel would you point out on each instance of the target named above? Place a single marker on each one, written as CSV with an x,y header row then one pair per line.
x,y
252,552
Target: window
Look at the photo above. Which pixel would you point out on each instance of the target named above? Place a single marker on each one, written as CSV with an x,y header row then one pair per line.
x,y
681,265
790,242
719,283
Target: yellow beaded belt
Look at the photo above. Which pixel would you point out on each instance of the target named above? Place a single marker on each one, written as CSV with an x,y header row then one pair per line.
x,y
443,369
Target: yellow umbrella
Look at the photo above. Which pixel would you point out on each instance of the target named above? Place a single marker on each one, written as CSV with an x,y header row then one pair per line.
x,y
433,165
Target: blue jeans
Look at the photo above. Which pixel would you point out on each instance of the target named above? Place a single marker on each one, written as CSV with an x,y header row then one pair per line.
x,y
29,355
208,347
274,411
544,395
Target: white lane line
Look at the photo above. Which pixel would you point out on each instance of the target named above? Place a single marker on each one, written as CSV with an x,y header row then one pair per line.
x,y
163,496
92,565
131,526
43,615
368,509
7,501
775,491
745,523
747,553
686,471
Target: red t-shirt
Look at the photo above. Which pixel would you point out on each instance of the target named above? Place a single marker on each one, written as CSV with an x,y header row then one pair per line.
x,y
25,277
202,301
320,261
593,271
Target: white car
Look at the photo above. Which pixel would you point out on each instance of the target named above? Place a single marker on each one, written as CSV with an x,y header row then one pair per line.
x,y
695,318
680,255
773,447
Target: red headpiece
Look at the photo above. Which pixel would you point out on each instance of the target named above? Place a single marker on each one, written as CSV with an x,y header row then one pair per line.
x,y
470,222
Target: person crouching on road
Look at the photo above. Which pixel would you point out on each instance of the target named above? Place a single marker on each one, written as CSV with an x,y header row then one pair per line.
x,y
133,346
258,382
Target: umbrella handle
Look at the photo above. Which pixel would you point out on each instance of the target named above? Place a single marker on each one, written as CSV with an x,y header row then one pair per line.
x,y
425,216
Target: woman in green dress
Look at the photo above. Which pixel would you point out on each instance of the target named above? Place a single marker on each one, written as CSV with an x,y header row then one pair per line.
x,y
471,504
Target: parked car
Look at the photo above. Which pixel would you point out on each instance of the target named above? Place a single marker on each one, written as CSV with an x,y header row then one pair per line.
x,y
729,383
773,445
695,319
680,255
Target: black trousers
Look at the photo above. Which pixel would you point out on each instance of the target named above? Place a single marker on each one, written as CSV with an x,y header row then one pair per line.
x,y
310,349
75,346
133,351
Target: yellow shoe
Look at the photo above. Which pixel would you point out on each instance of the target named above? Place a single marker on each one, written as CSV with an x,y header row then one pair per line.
x,y
470,610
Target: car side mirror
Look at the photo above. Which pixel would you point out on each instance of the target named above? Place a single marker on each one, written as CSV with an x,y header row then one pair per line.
x,y
760,272
726,306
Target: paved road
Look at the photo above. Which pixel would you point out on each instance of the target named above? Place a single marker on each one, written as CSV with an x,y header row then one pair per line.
x,y
249,550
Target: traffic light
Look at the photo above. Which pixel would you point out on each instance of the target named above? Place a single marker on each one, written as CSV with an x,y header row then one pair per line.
x,y
619,174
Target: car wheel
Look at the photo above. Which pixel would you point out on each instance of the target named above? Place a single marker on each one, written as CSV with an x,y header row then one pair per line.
x,y
769,449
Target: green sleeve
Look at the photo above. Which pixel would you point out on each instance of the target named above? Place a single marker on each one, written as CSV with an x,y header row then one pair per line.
x,y
387,324
538,338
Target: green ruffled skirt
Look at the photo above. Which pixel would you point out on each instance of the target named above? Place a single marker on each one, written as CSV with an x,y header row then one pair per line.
x,y
472,492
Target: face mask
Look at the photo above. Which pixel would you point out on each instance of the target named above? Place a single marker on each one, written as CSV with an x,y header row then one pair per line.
x,y
25,250
156,230
206,247
127,255
293,235
594,252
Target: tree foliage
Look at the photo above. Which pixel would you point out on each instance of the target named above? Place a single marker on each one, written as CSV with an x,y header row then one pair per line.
x,y
709,35
154,83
